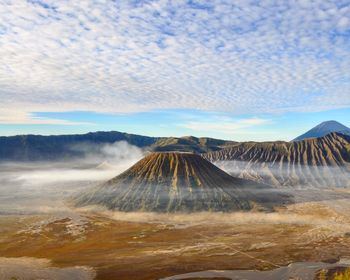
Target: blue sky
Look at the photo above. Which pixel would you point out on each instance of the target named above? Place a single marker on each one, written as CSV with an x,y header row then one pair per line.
x,y
183,122
241,70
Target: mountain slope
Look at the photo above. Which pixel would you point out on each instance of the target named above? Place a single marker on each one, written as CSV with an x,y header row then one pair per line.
x,y
190,144
318,162
63,147
37,147
323,129
178,182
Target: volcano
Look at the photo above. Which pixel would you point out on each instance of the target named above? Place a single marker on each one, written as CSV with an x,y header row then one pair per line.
x,y
323,129
178,182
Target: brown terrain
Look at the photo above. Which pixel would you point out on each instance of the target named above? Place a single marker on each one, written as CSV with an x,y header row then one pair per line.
x,y
121,249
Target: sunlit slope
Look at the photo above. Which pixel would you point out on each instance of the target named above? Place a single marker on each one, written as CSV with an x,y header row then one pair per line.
x,y
321,161
172,182
190,144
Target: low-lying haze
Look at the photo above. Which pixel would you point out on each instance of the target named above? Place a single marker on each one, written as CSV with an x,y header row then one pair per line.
x,y
43,186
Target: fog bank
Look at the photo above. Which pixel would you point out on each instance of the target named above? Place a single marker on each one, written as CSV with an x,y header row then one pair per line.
x,y
289,175
43,186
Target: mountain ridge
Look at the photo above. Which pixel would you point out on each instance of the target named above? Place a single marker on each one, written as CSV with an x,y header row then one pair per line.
x,y
315,162
61,147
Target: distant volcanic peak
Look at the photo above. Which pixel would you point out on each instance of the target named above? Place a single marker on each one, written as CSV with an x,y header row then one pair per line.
x,y
323,129
332,124
175,182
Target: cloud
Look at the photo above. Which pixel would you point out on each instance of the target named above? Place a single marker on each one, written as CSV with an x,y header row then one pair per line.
x,y
225,125
45,186
130,56
11,116
118,156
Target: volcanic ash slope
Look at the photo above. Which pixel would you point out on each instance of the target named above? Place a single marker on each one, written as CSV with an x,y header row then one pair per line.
x,y
179,182
319,162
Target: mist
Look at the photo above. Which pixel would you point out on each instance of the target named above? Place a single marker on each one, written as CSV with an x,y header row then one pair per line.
x,y
119,155
42,187
296,176
332,223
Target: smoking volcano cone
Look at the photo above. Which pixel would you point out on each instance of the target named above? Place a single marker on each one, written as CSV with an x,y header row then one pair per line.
x,y
175,182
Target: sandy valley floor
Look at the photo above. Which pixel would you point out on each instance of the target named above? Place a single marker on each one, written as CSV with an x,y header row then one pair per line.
x,y
151,246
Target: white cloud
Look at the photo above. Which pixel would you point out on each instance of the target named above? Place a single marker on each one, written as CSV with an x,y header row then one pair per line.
x,y
344,24
11,116
107,56
225,125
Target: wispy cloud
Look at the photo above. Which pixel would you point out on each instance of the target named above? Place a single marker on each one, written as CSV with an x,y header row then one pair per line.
x,y
128,56
225,125
10,116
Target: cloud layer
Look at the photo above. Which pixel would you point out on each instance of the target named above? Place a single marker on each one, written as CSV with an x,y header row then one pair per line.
x,y
225,125
129,56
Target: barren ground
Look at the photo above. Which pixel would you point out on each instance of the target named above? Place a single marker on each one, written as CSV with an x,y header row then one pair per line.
x,y
162,246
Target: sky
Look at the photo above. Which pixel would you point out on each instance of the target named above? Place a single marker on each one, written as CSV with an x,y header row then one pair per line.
x,y
240,70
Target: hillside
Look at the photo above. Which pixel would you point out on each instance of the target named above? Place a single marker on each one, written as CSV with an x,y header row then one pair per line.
x,y
318,162
61,147
190,144
178,182
37,147
323,129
